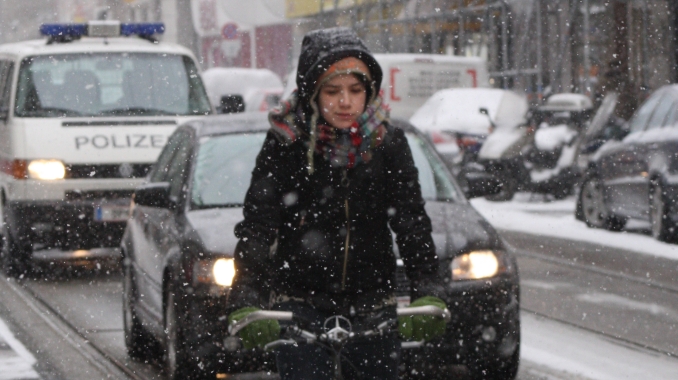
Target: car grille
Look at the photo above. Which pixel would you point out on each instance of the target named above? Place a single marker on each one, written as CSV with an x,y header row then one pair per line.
x,y
107,171
402,282
98,194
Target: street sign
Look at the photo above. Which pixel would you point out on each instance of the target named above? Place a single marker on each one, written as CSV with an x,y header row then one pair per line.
x,y
230,31
231,48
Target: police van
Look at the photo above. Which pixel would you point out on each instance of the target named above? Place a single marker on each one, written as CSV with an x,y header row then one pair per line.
x,y
84,113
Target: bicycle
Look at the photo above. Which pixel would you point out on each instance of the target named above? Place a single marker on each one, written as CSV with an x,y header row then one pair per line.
x,y
335,337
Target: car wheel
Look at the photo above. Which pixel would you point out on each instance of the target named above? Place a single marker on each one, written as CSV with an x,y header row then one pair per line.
x,y
593,209
139,342
509,186
15,256
662,227
178,363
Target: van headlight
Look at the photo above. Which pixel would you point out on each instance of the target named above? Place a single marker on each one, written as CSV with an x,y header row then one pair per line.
x,y
46,169
219,272
476,265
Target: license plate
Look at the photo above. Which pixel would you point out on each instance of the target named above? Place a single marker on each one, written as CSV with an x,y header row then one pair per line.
x,y
111,213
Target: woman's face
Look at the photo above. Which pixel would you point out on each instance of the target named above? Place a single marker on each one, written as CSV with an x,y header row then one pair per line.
x,y
342,100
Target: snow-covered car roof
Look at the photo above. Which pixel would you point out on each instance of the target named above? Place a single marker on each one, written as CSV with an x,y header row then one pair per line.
x,y
457,110
252,84
92,45
567,102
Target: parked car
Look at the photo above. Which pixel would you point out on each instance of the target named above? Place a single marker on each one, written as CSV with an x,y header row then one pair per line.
x,y
236,89
458,131
604,126
179,244
540,158
636,177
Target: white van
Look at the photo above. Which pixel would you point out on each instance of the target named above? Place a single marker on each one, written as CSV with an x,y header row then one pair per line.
x,y
84,114
410,79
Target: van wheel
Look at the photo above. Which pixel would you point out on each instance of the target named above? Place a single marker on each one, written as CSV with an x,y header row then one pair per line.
x,y
15,256
663,228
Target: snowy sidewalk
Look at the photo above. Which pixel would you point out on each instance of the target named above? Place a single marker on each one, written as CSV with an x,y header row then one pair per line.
x,y
16,362
556,219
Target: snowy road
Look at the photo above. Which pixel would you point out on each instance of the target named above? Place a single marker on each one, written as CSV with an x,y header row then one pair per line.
x,y
592,309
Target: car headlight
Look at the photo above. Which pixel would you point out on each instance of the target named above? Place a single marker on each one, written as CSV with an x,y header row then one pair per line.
x,y
46,169
219,272
476,265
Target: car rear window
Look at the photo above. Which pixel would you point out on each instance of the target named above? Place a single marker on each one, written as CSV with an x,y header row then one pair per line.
x,y
223,169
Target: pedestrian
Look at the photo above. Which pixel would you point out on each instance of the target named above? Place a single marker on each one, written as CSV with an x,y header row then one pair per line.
x,y
332,176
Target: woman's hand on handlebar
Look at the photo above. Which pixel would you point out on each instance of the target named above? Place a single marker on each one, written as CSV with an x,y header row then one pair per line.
x,y
422,327
258,333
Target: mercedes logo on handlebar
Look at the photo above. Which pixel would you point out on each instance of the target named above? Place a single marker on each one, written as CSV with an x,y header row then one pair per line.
x,y
337,327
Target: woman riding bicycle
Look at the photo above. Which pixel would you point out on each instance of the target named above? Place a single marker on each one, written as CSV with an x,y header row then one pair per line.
x,y
332,176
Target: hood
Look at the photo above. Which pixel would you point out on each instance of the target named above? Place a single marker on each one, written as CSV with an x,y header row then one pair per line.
x,y
322,48
458,228
214,228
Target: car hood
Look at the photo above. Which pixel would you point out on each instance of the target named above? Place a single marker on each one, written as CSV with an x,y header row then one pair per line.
x,y
214,228
457,228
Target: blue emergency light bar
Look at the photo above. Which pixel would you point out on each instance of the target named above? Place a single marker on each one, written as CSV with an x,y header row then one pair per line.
x,y
101,29
146,29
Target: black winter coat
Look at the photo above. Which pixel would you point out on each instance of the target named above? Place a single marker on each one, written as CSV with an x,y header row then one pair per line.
x,y
330,230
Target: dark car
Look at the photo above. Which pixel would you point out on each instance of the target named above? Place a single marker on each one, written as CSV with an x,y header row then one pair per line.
x,y
637,177
179,243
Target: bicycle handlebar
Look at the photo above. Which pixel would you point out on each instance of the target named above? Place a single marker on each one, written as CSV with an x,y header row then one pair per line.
x,y
260,315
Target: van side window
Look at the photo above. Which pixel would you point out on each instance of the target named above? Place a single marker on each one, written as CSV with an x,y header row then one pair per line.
x,y
6,71
161,167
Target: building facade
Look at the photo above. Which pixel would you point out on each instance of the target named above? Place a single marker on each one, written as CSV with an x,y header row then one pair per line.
x,y
533,46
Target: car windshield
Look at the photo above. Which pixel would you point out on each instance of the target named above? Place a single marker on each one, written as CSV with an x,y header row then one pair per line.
x,y
436,184
223,169
224,166
110,84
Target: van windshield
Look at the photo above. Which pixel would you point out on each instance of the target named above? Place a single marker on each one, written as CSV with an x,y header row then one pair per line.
x,y
110,84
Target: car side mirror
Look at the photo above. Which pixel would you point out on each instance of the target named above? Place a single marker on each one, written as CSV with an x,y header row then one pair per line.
x,y
231,104
480,184
155,194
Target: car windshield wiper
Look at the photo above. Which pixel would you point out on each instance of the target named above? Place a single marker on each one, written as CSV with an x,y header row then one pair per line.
x,y
135,111
48,111
196,206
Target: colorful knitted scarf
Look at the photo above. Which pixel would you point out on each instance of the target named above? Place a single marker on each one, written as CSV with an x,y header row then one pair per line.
x,y
341,147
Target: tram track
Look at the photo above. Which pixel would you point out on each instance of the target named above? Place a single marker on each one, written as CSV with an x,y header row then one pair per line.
x,y
73,335
653,286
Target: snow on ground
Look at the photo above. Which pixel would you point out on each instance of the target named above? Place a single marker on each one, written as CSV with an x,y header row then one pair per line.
x,y
579,354
16,362
528,214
